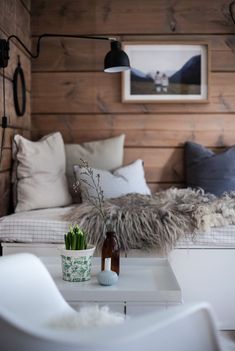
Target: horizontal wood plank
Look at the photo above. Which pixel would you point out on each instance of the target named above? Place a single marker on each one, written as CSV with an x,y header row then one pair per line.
x,y
155,187
143,138
77,55
101,93
6,161
161,165
7,16
13,119
70,55
5,191
13,62
9,134
126,16
23,23
15,19
27,4
141,130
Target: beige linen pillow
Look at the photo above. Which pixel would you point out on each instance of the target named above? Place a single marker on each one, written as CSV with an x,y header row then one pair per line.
x,y
103,154
41,180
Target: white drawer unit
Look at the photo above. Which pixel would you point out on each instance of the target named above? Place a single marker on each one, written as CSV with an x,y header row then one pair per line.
x,y
144,284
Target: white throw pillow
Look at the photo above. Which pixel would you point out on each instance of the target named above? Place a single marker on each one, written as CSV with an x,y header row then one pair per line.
x,y
125,180
103,154
41,180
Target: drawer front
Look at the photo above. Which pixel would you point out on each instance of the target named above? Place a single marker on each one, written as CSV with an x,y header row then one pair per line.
x,y
128,308
113,306
137,309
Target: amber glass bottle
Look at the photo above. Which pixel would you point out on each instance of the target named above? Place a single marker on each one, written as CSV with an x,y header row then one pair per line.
x,y
111,249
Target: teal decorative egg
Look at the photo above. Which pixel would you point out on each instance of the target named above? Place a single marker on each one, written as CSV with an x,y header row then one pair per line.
x,y
107,278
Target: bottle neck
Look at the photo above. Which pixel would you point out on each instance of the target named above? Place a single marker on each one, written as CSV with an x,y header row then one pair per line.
x,y
110,234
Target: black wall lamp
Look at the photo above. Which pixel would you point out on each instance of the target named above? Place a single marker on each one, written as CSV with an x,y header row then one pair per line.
x,y
116,60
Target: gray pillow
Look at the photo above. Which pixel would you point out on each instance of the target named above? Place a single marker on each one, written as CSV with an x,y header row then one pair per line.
x,y
214,173
124,180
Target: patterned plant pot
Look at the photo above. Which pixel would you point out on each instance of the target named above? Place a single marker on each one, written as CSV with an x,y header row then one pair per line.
x,y
76,264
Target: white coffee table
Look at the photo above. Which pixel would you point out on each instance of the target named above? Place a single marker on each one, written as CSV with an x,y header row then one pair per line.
x,y
144,284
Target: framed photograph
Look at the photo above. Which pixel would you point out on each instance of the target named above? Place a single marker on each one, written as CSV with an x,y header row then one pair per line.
x,y
166,72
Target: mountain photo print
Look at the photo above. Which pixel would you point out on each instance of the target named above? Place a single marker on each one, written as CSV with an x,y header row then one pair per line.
x,y
166,72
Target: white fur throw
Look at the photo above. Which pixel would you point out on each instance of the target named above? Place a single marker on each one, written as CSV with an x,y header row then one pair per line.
x,y
89,316
156,221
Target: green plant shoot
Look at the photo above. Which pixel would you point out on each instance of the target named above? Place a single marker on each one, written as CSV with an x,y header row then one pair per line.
x,y
75,239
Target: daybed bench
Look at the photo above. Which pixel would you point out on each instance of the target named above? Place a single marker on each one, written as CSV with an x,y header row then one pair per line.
x,y
204,267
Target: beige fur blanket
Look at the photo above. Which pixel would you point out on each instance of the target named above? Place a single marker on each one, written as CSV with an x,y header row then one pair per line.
x,y
156,221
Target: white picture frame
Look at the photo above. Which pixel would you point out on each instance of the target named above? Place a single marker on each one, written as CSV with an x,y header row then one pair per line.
x,y
166,72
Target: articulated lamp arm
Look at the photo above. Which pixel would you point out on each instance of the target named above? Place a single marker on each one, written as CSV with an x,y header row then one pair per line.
x,y
115,61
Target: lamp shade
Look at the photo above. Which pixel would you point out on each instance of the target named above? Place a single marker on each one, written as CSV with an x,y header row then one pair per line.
x,y
116,60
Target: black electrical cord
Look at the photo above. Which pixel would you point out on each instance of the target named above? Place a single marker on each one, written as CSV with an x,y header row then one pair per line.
x,y
4,118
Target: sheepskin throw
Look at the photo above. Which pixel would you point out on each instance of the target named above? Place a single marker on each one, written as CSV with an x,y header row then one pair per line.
x,y
157,221
86,317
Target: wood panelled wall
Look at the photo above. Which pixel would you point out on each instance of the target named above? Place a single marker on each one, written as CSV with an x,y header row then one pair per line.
x,y
70,93
14,19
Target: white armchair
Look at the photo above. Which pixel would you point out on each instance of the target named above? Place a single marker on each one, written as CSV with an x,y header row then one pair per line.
x,y
29,299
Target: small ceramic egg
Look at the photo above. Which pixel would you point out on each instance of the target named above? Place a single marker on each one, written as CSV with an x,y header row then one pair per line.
x,y
107,277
